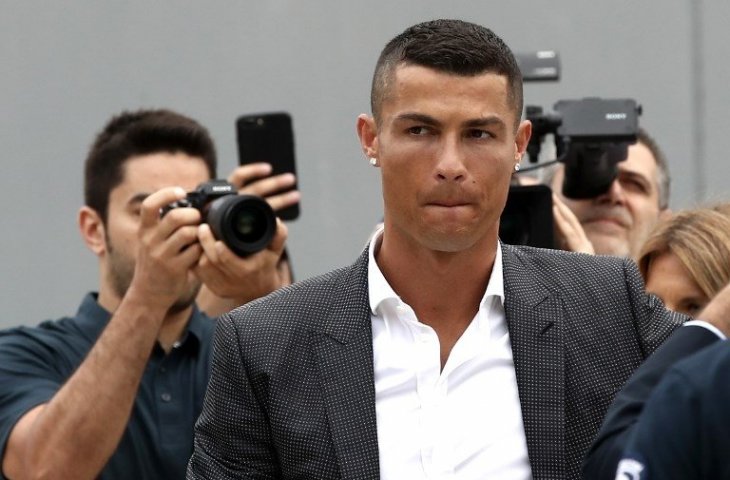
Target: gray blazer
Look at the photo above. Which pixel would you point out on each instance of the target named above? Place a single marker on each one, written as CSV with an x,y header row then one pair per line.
x,y
292,394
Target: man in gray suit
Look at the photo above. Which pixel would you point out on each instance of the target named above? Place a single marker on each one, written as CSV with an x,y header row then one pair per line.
x,y
440,351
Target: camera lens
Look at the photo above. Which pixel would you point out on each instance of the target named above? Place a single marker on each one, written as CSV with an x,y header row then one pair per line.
x,y
245,223
248,224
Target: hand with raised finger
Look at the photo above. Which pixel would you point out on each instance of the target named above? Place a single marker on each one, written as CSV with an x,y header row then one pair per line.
x,y
230,280
569,233
168,249
253,179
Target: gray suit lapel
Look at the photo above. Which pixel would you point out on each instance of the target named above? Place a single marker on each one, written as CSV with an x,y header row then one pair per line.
x,y
534,318
344,352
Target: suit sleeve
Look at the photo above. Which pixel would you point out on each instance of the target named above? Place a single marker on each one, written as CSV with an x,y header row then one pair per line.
x,y
666,441
622,416
232,437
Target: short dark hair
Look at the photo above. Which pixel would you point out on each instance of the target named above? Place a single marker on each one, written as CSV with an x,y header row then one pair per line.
x,y
663,179
141,132
449,46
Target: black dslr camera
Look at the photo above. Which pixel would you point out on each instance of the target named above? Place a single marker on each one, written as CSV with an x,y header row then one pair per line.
x,y
245,223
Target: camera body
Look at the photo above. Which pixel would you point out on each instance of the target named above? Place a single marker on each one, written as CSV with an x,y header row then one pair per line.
x,y
592,136
245,223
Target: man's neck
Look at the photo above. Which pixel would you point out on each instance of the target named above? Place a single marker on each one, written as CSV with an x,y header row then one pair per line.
x,y
437,283
444,289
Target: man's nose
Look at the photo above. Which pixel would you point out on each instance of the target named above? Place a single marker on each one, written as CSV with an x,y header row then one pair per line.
x,y
450,166
614,195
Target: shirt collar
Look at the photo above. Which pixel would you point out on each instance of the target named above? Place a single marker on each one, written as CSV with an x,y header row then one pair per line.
x,y
92,318
379,290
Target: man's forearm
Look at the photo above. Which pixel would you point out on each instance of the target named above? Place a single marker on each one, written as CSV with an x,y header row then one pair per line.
x,y
74,435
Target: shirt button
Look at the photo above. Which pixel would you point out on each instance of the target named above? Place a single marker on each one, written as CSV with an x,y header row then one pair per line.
x,y
166,397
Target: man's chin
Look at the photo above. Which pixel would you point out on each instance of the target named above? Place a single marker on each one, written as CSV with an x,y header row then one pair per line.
x,y
609,245
187,299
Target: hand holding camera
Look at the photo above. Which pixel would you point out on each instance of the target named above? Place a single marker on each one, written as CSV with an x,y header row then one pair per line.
x,y
167,250
245,223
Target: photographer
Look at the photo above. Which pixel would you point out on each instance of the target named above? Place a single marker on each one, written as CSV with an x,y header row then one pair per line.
x,y
618,221
114,391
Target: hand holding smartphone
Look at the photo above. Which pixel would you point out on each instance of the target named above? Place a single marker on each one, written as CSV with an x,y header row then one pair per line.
x,y
268,137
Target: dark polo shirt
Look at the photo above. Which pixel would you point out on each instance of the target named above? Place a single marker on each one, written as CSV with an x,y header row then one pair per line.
x,y
36,361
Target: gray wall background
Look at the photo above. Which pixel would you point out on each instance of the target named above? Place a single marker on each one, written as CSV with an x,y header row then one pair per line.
x,y
68,66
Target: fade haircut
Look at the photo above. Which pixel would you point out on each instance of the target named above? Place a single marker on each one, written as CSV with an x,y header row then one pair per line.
x,y
448,46
132,134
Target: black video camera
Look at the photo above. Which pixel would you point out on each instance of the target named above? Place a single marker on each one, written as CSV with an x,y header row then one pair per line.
x,y
245,223
592,136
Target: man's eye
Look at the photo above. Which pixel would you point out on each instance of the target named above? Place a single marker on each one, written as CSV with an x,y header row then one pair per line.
x,y
418,130
635,186
692,309
476,133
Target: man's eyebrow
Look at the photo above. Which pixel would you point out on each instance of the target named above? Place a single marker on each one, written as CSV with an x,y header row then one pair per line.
x,y
417,117
484,122
631,175
428,120
138,198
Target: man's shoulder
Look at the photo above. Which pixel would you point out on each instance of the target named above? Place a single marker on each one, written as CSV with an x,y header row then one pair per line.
x,y
552,257
307,302
47,332
708,369
559,268
56,344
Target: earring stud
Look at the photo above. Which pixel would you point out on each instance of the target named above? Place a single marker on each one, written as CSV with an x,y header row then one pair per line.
x,y
517,167
373,161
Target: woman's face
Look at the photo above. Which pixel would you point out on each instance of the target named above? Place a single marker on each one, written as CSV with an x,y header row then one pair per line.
x,y
668,279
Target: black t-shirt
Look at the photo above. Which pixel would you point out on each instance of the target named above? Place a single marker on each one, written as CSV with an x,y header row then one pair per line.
x,y
36,361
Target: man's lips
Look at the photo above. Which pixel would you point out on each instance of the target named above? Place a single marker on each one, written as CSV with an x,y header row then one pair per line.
x,y
448,204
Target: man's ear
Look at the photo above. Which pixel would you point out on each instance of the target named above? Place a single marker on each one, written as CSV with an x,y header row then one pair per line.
x,y
368,133
92,230
524,132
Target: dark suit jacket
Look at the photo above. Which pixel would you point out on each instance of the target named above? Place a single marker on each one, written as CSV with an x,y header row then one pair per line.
x,y
684,431
292,394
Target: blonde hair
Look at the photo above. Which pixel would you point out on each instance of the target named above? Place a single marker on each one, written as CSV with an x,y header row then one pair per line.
x,y
700,239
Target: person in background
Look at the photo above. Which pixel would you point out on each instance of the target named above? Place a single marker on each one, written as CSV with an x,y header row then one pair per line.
x,y
683,432
670,420
113,391
618,221
686,259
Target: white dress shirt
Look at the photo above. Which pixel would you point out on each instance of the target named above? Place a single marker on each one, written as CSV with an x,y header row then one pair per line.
x,y
463,422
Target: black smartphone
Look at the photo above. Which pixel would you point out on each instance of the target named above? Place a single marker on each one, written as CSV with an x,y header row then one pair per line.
x,y
268,137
